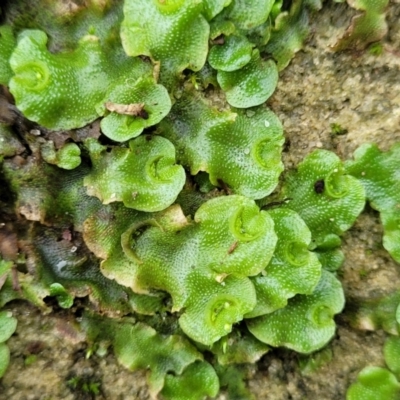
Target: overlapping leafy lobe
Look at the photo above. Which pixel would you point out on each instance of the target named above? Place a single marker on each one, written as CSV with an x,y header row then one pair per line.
x,y
293,268
170,23
306,324
214,7
379,174
120,126
251,85
326,198
143,176
374,383
212,307
75,268
75,82
239,348
232,230
138,346
233,54
46,83
197,381
248,14
221,144
204,266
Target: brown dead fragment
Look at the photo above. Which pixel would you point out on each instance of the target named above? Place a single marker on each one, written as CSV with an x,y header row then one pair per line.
x,y
8,243
134,109
224,186
219,40
233,247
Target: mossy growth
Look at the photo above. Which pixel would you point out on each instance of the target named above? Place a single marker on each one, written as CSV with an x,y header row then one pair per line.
x,y
155,216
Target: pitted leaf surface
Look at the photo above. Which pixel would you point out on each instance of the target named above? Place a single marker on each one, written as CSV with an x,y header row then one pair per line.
x,y
170,23
143,176
251,85
379,174
293,268
242,151
306,324
326,198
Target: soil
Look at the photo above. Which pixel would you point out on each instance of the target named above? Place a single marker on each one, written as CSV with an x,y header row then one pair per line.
x,y
356,90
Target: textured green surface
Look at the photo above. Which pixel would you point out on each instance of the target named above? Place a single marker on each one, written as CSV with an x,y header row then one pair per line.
x,y
374,383
239,348
391,352
74,82
7,44
4,358
234,54
333,208
379,174
251,85
366,27
8,324
156,105
241,150
293,268
288,33
197,381
170,21
141,347
143,176
306,324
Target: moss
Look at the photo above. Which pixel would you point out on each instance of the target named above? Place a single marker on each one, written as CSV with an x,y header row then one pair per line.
x,y
154,217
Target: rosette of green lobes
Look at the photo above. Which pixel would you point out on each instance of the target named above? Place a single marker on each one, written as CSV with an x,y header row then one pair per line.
x,y
251,85
379,174
159,29
374,383
241,150
293,268
306,324
233,54
61,91
326,198
143,176
7,44
152,105
197,265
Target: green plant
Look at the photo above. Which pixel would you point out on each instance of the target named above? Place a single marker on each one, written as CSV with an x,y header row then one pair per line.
x,y
178,272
